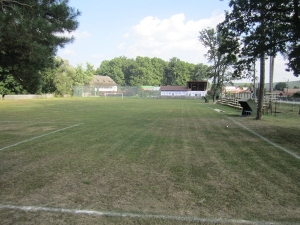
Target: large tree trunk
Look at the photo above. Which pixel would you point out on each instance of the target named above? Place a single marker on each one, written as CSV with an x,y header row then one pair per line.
x,y
262,67
261,87
272,59
214,88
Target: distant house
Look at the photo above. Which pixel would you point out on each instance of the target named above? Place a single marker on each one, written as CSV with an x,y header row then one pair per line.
x,y
173,91
235,90
104,84
230,89
286,92
192,89
98,85
279,93
290,91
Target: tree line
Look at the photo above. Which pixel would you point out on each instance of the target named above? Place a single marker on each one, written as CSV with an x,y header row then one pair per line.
x,y
31,32
61,77
152,71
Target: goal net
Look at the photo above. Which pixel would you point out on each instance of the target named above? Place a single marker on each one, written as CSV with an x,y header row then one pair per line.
x,y
115,94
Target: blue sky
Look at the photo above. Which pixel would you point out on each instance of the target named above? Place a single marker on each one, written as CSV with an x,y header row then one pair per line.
x,y
153,28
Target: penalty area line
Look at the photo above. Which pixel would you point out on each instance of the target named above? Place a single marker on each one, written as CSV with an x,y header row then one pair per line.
x,y
43,135
134,215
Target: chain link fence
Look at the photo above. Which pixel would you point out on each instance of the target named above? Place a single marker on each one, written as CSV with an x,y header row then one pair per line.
x,y
129,91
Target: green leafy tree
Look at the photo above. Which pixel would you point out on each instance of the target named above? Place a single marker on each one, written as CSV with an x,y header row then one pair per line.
x,y
142,73
220,63
30,32
113,69
151,71
90,72
263,26
177,73
48,76
146,72
64,80
103,69
159,69
8,85
201,72
128,66
280,86
296,95
246,36
255,28
80,75
87,76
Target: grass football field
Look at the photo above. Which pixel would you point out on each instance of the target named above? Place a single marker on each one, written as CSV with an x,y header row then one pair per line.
x,y
146,161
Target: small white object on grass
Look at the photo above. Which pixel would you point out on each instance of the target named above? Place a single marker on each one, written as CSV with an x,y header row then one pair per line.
x,y
227,125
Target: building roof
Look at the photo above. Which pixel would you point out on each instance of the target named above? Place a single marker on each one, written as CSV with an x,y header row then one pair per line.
x,y
230,88
103,81
291,91
173,88
235,90
197,81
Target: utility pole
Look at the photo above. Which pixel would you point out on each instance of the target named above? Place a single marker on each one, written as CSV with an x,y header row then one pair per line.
x,y
254,78
287,88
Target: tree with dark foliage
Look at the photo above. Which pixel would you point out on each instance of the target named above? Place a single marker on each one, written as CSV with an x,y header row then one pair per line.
x,y
30,33
256,28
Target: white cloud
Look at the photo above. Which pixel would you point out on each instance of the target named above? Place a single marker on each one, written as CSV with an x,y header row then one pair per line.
x,y
169,37
126,35
75,34
280,73
177,37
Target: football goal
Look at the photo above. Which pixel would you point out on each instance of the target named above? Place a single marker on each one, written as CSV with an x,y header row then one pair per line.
x,y
106,94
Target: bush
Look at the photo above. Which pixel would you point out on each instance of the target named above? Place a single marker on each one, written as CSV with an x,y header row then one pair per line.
x,y
297,94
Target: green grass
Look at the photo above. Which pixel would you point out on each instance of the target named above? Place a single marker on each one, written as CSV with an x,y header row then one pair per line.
x,y
148,156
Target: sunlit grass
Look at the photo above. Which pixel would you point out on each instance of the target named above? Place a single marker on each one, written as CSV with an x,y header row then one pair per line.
x,y
151,156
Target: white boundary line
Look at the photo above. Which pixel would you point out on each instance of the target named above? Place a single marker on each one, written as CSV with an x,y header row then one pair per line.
x,y
39,136
2,121
135,215
262,137
267,140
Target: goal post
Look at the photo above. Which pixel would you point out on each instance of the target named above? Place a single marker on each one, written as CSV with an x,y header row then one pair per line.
x,y
113,93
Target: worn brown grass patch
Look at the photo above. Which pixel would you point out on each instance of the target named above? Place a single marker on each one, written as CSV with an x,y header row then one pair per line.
x,y
152,157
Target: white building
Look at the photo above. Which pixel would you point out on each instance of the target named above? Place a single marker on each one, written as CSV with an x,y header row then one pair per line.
x,y
193,89
104,84
99,85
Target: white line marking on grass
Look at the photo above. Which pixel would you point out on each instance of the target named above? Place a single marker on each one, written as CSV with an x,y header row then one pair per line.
x,y
267,140
262,137
39,136
134,215
1,121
